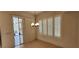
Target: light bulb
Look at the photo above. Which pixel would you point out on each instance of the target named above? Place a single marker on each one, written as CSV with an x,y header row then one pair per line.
x,y
32,24
37,24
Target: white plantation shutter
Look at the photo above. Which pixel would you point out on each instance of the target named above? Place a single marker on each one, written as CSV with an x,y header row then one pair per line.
x,y
40,26
44,26
50,26
57,26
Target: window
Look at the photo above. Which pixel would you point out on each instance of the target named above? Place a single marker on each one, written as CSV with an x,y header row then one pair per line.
x,y
50,26
40,26
44,26
57,26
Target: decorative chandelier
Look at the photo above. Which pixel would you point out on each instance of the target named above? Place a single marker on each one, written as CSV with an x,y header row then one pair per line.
x,y
35,24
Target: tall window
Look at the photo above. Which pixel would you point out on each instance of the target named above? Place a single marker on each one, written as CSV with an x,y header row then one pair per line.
x,y
50,26
44,26
40,26
57,26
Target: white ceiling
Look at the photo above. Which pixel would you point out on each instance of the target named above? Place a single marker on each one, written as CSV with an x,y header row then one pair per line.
x,y
31,12
34,12
38,12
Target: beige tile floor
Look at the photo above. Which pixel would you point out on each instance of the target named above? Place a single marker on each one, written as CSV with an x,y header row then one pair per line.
x,y
37,44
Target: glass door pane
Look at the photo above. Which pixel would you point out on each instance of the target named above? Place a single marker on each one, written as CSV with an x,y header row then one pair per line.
x,y
16,31
20,30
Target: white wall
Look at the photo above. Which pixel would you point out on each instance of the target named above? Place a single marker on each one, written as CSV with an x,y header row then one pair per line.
x,y
29,32
78,30
6,30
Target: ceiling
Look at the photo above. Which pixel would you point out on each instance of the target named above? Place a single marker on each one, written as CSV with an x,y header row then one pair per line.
x,y
35,12
38,12
31,12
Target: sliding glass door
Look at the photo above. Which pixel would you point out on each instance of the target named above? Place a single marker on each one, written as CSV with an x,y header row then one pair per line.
x,y
18,32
